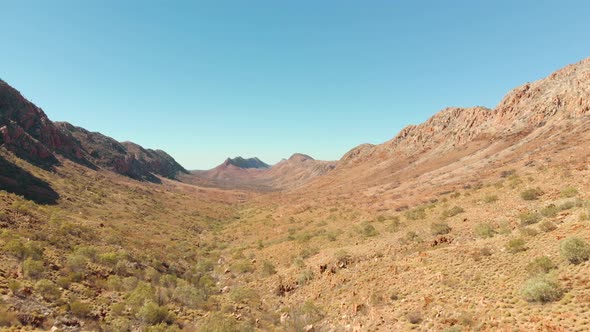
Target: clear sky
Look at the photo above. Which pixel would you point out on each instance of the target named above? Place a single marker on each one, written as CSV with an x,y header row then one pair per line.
x,y
204,80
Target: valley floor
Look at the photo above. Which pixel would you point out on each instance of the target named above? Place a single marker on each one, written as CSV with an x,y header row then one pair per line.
x,y
115,254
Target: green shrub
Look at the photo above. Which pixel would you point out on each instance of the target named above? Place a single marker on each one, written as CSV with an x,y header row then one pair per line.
x,y
189,296
108,258
244,295
547,226
415,214
528,231
368,230
80,309
440,228
142,293
218,322
529,218
152,314
268,268
20,250
76,263
48,290
541,289
516,245
485,230
32,268
550,211
242,266
452,212
540,265
575,250
531,194
569,192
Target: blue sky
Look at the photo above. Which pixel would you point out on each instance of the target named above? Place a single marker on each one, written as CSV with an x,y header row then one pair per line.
x,y
205,80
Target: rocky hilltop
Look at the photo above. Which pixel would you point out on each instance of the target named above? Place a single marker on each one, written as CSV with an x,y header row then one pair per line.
x,y
245,163
26,131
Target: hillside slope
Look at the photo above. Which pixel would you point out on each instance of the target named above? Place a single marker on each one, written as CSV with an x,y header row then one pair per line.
x,y
30,134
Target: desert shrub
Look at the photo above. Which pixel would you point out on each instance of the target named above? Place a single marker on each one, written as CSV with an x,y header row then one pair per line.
x,y
411,236
575,250
129,284
7,318
15,248
531,194
414,316
14,286
567,205
528,231
452,212
48,290
529,218
415,214
547,226
151,314
484,230
440,228
490,199
540,265
108,258
168,280
368,230
242,266
306,314
119,324
20,250
550,211
394,225
305,277
80,309
189,295
32,268
268,268
541,288
569,192
142,293
516,245
76,263
64,282
244,295
308,252
114,283
87,251
218,322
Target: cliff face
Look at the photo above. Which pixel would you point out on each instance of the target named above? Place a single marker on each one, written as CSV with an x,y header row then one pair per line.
x,y
26,131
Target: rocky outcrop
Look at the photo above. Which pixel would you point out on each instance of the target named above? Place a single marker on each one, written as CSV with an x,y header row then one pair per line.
x,y
27,132
245,163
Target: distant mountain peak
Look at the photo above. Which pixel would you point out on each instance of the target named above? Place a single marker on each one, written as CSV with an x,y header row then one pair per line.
x,y
300,157
245,162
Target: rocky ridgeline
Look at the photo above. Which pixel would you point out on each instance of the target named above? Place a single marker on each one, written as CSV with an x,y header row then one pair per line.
x,y
563,96
26,131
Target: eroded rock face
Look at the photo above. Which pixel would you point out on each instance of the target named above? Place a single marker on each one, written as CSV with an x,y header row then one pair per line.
x,y
26,131
563,96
